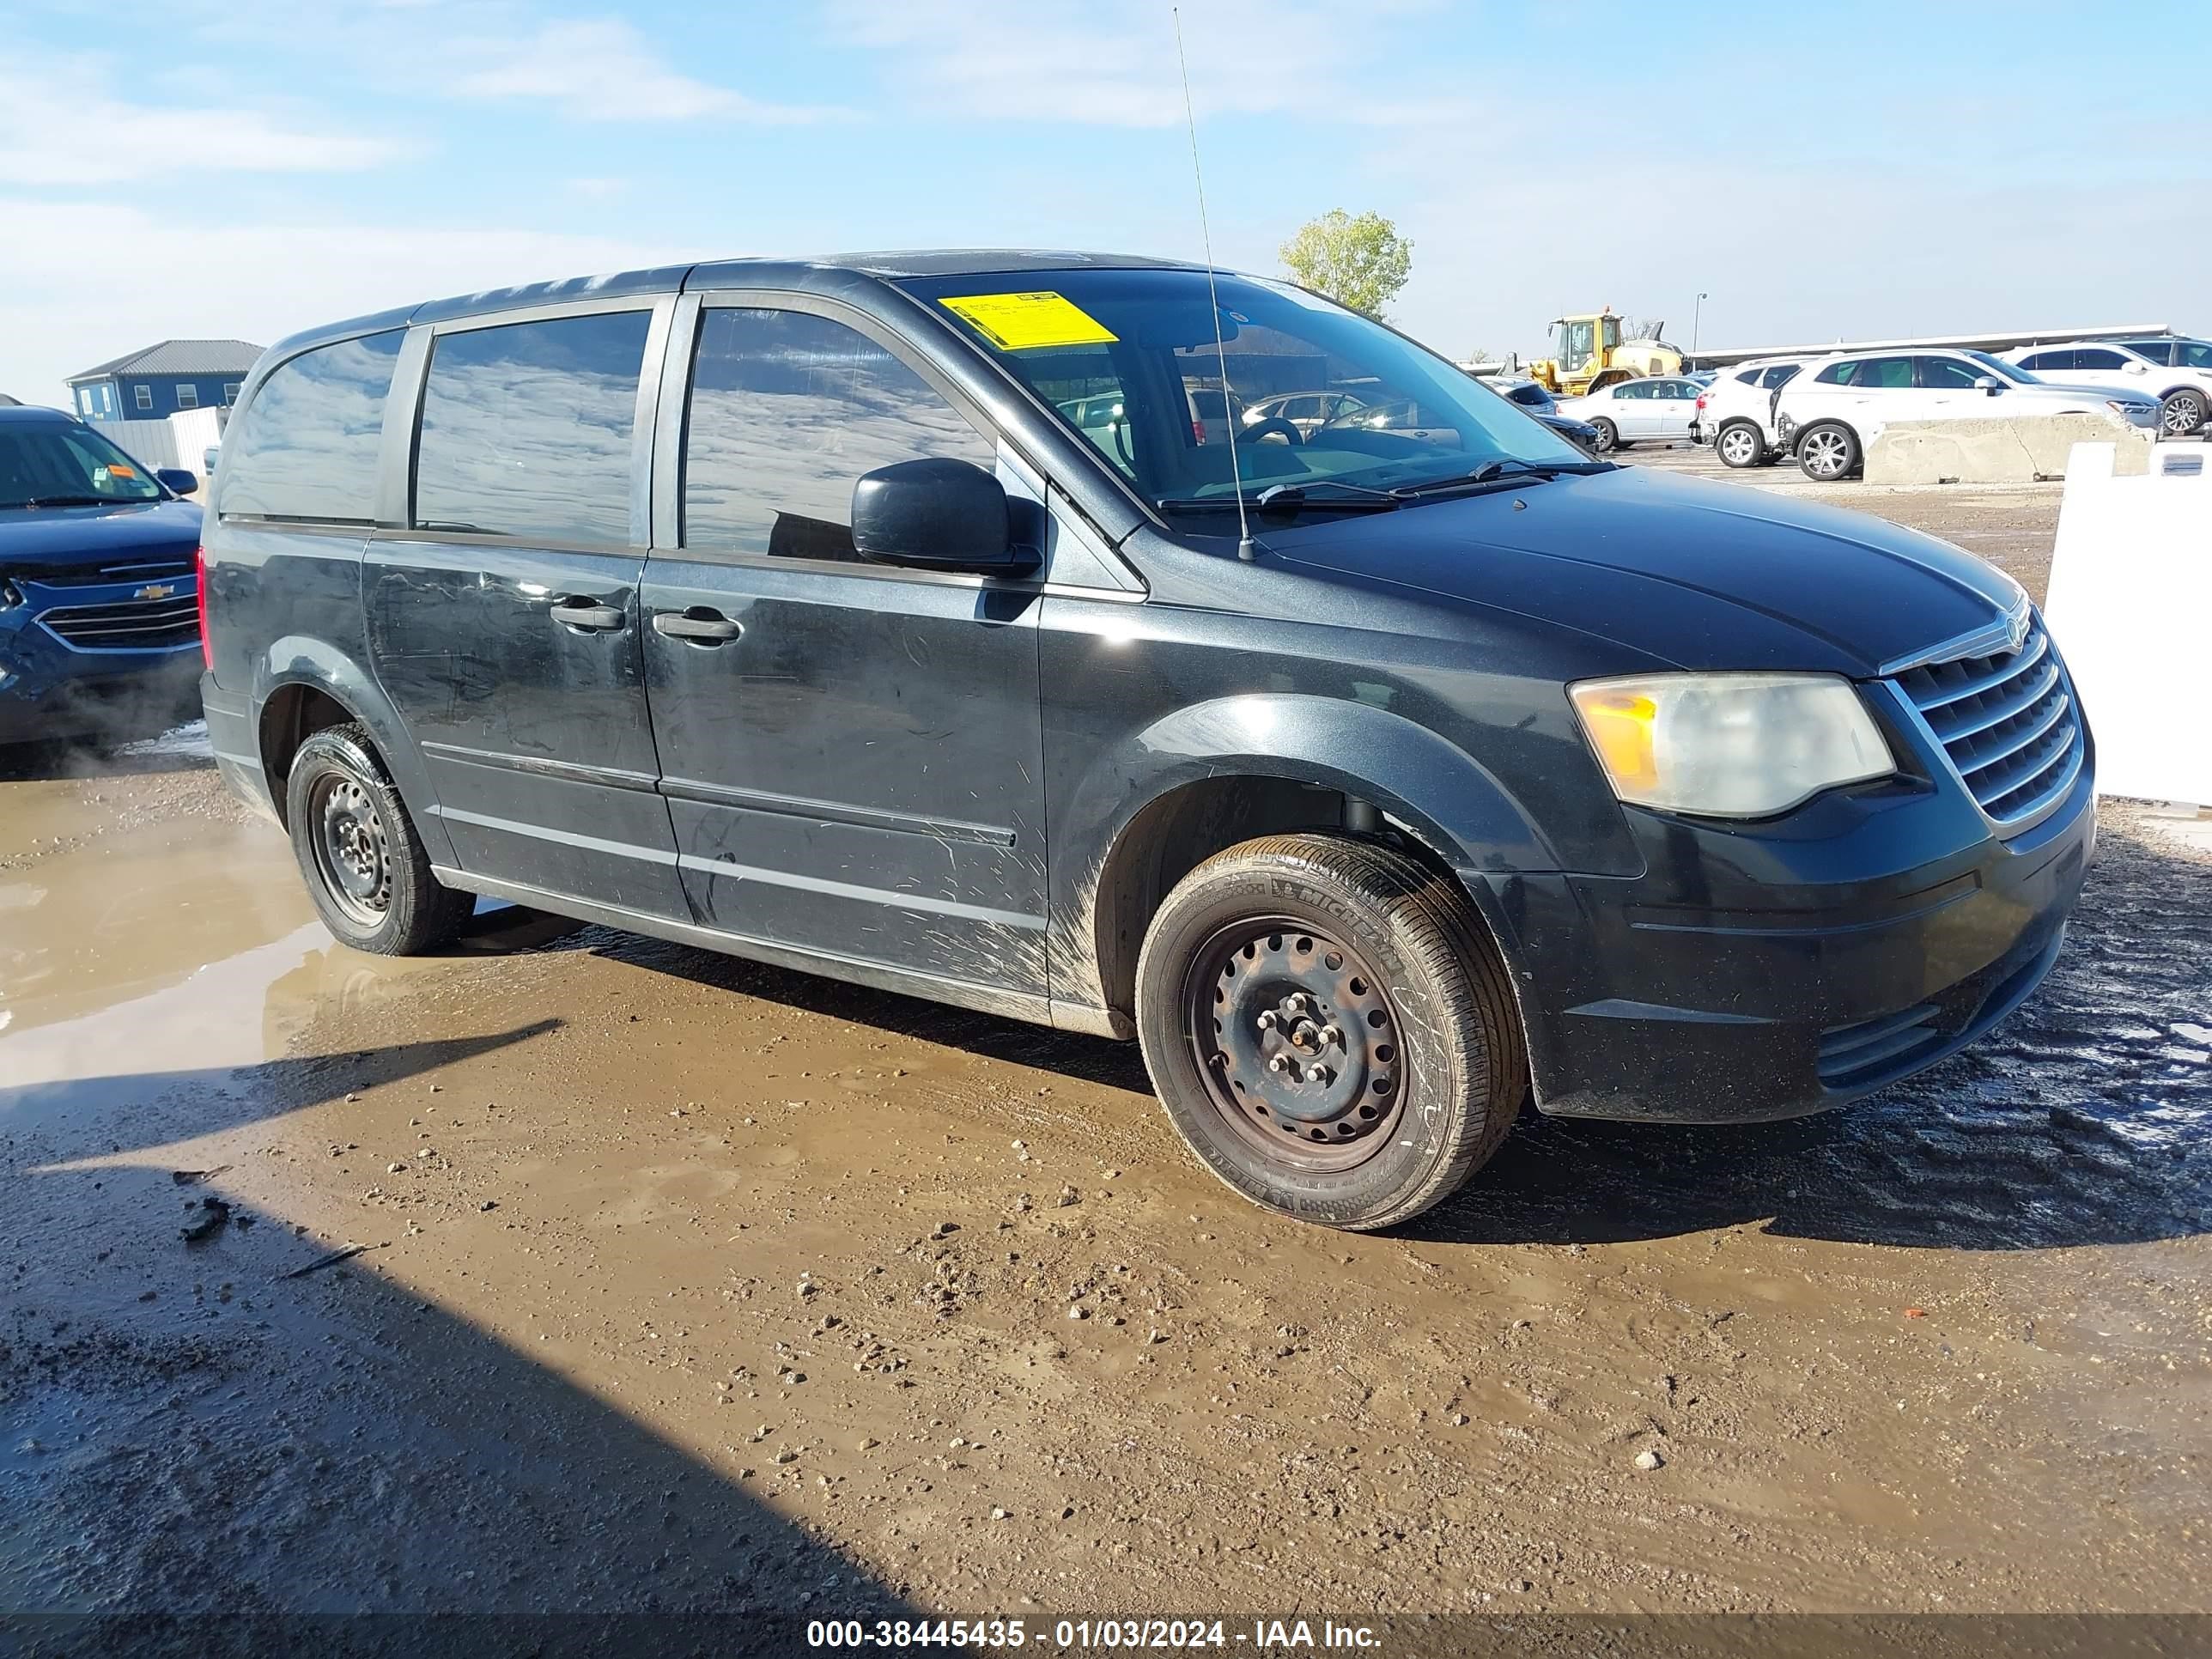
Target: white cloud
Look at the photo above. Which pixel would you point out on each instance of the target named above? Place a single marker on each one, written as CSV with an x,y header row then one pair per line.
x,y
1104,63
187,278
602,70
60,124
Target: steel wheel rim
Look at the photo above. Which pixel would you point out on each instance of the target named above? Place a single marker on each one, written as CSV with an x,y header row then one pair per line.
x,y
351,852
1735,445
1824,453
1300,1059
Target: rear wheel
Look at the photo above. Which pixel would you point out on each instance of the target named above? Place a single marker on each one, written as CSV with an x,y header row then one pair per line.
x,y
1741,445
1827,452
1329,1029
1608,435
2182,412
365,865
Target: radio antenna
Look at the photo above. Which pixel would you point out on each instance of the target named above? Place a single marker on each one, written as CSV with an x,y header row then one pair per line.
x,y
1247,549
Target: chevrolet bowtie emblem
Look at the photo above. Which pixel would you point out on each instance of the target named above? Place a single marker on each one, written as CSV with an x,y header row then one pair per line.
x,y
155,591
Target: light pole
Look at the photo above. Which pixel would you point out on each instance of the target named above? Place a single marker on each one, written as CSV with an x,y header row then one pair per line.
x,y
1697,314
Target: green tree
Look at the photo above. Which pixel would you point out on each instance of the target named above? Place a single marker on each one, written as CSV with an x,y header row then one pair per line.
x,y
1360,262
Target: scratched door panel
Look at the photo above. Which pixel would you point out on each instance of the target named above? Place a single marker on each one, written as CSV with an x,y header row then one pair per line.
x,y
857,772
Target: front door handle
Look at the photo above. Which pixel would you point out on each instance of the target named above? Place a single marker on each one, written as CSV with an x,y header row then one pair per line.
x,y
587,615
699,625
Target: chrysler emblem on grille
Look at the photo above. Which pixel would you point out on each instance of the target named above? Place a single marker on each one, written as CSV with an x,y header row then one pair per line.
x,y
155,591
2017,633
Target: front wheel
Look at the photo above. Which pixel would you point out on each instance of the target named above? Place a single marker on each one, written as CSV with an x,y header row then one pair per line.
x,y
366,867
1608,435
1329,1027
1827,452
2183,412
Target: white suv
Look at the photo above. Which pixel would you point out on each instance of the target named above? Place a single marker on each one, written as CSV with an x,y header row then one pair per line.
x,y
2184,390
1735,413
1829,412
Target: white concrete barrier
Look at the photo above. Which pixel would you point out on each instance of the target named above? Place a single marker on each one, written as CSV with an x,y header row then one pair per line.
x,y
2129,602
2009,449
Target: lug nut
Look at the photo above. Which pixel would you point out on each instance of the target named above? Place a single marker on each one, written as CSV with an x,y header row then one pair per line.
x,y
1332,1034
1267,1020
1316,1072
1279,1063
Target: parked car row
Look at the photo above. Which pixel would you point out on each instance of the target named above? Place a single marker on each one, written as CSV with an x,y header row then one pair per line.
x,y
1822,412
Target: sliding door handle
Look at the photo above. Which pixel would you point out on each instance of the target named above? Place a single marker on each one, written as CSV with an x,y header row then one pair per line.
x,y
588,616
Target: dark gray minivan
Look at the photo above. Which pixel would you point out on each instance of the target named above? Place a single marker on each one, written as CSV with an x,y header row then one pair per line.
x,y
895,618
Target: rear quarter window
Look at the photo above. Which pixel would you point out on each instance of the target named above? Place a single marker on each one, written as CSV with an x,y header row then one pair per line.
x,y
527,429
306,448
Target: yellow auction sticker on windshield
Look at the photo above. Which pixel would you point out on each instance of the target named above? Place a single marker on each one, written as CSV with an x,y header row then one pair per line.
x,y
1029,322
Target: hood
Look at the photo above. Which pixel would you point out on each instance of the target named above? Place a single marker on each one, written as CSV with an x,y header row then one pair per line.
x,y
2138,393
77,537
1692,573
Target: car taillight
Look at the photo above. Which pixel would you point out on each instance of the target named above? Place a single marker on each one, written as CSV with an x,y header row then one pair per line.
x,y
199,581
1198,432
1701,400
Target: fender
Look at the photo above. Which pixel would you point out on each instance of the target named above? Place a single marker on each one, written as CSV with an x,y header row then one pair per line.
x,y
1430,788
302,659
1413,774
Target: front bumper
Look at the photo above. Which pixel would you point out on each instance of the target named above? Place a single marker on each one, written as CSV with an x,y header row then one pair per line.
x,y
1766,972
124,693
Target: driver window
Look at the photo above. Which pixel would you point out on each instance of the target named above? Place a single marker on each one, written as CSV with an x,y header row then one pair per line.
x,y
787,411
1948,374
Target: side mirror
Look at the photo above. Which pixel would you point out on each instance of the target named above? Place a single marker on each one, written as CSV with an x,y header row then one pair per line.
x,y
2136,366
1988,383
178,480
938,514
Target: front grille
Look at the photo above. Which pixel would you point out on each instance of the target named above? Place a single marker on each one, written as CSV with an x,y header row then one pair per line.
x,y
127,625
2007,722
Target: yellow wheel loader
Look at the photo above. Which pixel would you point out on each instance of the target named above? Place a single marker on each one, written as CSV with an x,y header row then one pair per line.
x,y
1592,354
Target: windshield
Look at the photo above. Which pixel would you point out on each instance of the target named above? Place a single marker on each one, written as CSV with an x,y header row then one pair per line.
x,y
1127,358
2193,354
2002,369
54,464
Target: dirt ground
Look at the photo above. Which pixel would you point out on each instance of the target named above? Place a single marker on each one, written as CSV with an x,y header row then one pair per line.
x,y
688,1286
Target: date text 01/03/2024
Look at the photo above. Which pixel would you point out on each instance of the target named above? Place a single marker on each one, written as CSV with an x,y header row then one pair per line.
x,y
1086,1634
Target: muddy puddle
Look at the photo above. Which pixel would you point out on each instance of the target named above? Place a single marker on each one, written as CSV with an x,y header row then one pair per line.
x,y
687,1284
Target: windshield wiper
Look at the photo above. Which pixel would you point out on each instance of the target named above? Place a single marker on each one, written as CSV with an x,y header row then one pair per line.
x,y
1536,469
69,500
1293,497
1493,475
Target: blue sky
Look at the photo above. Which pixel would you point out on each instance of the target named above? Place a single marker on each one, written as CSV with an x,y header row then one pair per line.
x,y
249,167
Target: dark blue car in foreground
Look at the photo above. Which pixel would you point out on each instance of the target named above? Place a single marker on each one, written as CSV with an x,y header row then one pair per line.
x,y
98,593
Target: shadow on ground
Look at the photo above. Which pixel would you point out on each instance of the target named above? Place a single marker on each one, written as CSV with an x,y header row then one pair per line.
x,y
2084,1119
186,1430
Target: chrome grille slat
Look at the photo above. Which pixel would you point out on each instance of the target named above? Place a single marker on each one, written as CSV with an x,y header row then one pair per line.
x,y
2016,741
2031,653
2006,707
2007,723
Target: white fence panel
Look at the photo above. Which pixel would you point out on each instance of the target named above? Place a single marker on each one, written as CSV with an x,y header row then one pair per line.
x,y
152,443
195,429
2130,588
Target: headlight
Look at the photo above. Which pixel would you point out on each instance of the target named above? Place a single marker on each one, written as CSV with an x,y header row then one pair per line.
x,y
1729,746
